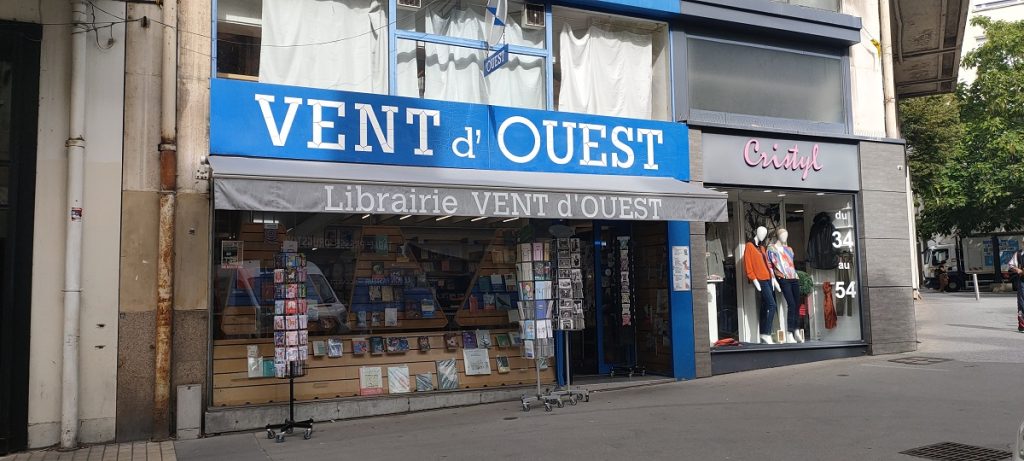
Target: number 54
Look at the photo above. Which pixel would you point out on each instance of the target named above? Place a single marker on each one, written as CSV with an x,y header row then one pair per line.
x,y
843,290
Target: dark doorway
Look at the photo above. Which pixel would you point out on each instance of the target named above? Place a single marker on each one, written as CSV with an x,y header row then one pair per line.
x,y
19,112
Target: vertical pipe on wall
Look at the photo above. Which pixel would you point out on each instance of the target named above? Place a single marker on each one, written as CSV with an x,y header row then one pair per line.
x,y
73,233
165,236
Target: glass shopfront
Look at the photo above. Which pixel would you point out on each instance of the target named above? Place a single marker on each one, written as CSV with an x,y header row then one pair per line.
x,y
804,264
784,271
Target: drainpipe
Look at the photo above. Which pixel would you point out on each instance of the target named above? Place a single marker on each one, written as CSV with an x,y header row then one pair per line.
x,y
73,230
165,236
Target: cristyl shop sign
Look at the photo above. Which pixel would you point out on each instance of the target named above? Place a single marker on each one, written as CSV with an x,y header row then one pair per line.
x,y
273,121
759,161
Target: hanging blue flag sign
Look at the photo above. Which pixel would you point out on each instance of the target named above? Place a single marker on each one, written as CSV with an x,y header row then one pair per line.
x,y
496,60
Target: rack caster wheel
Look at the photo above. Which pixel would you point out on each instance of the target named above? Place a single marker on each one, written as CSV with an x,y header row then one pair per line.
x,y
526,407
586,398
560,404
308,434
643,373
279,438
270,434
547,407
572,401
290,430
612,374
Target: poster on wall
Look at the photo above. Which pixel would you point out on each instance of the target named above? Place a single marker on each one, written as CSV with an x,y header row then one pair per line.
x,y
681,268
231,253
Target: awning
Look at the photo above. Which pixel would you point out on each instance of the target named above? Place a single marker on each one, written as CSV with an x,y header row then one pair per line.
x,y
259,184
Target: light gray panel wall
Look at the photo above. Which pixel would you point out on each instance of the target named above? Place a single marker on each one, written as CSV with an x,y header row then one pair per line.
x,y
696,155
701,334
886,274
887,263
882,167
699,273
893,323
884,218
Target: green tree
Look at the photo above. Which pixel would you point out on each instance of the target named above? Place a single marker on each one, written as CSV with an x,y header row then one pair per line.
x,y
967,151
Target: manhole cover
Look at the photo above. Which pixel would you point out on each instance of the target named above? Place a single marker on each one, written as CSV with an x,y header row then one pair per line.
x,y
919,360
949,451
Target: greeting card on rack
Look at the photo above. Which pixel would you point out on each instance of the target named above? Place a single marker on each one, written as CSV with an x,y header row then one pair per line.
x,y
525,252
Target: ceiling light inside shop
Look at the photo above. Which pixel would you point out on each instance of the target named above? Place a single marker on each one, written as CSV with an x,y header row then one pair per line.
x,y
405,217
798,211
782,195
442,218
510,219
767,191
820,193
367,215
477,219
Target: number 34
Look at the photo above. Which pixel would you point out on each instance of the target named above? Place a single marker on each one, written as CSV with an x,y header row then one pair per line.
x,y
839,241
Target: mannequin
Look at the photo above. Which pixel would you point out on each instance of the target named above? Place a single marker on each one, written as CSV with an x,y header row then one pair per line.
x,y
759,272
781,256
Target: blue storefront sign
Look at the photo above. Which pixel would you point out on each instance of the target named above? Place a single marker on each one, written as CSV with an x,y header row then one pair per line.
x,y
274,121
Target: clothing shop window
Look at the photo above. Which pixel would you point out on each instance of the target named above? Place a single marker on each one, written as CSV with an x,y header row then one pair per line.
x,y
610,65
330,44
799,250
735,78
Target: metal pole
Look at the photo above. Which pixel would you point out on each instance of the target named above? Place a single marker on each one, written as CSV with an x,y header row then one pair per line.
x,y
977,292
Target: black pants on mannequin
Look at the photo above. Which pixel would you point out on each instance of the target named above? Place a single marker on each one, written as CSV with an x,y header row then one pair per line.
x,y
791,291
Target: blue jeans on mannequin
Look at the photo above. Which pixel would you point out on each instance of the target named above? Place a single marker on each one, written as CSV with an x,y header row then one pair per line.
x,y
791,291
766,313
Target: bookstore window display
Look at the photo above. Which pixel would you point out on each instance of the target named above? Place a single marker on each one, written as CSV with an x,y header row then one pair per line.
x,y
393,305
783,270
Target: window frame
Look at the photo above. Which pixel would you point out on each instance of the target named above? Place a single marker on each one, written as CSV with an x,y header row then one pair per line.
x,y
691,115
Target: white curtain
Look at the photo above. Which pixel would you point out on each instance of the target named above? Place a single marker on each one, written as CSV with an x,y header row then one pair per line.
x,y
454,73
333,44
607,71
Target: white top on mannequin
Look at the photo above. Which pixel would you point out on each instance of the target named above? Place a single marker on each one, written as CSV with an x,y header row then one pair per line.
x,y
759,235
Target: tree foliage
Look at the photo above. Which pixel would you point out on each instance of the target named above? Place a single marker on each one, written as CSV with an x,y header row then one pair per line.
x,y
967,149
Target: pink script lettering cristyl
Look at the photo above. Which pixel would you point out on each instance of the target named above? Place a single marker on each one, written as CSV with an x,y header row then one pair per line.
x,y
791,161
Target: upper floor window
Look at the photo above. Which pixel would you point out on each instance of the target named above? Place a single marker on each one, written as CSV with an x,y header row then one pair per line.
x,y
443,52
331,44
610,65
734,78
559,58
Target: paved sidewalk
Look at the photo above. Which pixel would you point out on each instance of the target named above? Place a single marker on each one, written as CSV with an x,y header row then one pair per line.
x,y
868,408
137,451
